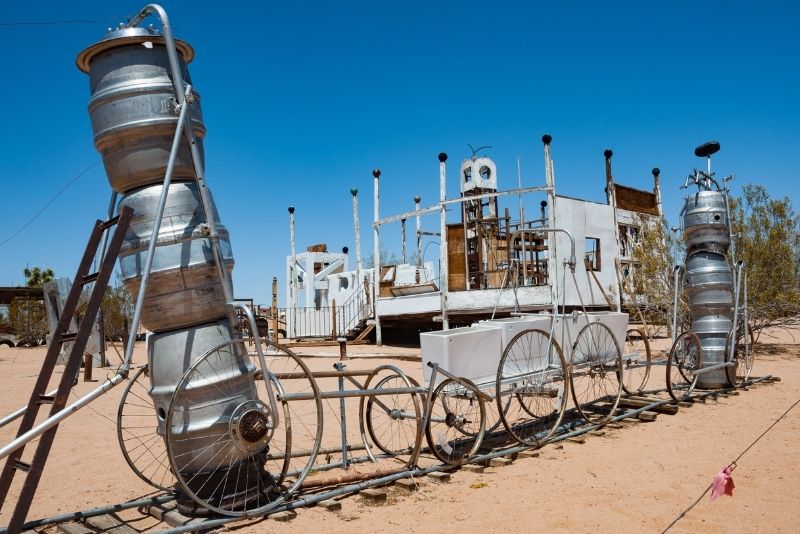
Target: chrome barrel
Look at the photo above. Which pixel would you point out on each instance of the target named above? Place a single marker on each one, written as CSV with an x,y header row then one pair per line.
x,y
184,287
132,107
133,114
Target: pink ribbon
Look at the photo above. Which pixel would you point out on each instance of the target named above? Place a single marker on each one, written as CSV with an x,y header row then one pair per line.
x,y
723,483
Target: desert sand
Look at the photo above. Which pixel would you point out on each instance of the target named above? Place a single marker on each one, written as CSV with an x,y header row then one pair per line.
x,y
634,478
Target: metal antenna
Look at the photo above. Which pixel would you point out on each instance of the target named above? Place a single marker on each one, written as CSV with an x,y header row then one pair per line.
x,y
476,150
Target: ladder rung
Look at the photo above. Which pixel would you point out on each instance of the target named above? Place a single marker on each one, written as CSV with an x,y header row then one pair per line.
x,y
46,399
19,465
68,336
109,223
89,278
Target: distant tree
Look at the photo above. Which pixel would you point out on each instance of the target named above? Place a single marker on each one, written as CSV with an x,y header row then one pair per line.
x,y
647,287
29,320
767,238
37,277
117,310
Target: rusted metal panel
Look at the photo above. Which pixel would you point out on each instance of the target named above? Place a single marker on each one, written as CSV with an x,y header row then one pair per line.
x,y
637,200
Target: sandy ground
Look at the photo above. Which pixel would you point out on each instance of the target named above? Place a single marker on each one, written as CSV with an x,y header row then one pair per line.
x,y
637,478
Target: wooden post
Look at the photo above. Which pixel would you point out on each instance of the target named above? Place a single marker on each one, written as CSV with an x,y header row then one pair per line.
x,y
87,367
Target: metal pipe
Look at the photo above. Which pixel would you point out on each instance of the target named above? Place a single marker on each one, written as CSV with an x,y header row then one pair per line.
x,y
55,419
347,393
675,302
443,268
419,233
20,411
572,262
339,366
151,246
403,240
94,512
376,251
550,183
356,232
292,274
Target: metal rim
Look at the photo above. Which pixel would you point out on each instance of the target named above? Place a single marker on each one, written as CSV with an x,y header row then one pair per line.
x,y
685,356
456,422
532,389
635,365
142,446
264,488
596,377
392,421
740,373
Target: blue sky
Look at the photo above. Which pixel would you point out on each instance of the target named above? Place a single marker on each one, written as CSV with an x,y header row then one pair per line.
x,y
303,99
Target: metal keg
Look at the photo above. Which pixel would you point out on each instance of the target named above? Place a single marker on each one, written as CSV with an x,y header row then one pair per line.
x,y
184,287
132,107
709,281
705,222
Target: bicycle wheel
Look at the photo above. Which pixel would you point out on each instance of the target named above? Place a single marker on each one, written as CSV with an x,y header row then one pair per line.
x,y
595,372
635,361
231,452
743,355
392,421
531,393
456,424
685,357
141,443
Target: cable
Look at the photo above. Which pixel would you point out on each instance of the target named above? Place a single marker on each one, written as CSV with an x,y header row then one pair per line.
x,y
49,202
732,465
53,22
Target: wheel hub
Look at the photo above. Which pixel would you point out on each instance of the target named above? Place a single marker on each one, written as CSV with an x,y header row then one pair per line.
x,y
251,426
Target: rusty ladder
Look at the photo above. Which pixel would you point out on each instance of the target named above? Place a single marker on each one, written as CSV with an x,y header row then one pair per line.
x,y
33,470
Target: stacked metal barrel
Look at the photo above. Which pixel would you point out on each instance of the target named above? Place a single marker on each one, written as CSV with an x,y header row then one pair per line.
x,y
708,281
134,119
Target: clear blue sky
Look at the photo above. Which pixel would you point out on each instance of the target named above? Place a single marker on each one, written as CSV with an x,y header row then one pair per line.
x,y
303,99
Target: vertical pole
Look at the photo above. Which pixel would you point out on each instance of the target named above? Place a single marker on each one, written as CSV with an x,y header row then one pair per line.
x,y
333,319
613,201
376,251
339,366
464,216
356,232
552,253
657,190
403,239
421,264
443,269
274,311
292,277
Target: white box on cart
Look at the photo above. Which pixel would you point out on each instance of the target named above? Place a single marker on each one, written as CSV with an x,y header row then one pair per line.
x,y
471,352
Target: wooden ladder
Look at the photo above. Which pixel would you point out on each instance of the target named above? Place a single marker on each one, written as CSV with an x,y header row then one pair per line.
x,y
39,397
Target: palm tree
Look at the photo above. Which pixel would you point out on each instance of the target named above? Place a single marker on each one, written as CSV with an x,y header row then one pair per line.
x,y
37,277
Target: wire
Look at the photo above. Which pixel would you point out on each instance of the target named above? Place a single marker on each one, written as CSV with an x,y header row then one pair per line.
x,y
732,465
49,202
53,22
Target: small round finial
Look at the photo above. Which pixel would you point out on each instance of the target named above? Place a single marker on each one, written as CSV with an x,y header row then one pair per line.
x,y
547,138
353,191
442,157
345,250
608,153
543,203
417,199
291,209
376,173
656,171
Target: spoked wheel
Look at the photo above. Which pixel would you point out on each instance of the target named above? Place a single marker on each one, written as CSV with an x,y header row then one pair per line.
x,y
685,357
137,432
242,434
531,391
635,361
456,425
392,421
743,355
595,372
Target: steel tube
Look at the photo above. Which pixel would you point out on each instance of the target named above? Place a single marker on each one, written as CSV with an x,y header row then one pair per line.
x,y
19,412
55,419
348,393
443,267
376,260
94,512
